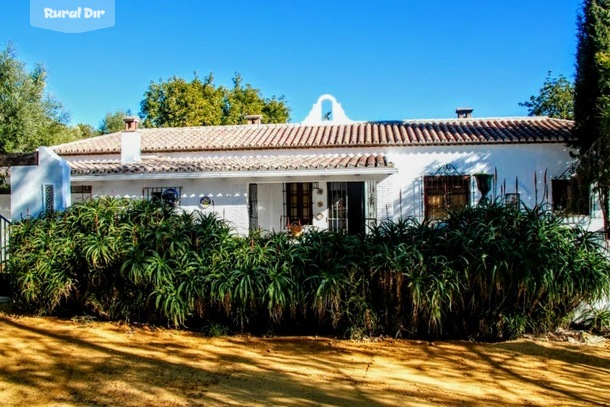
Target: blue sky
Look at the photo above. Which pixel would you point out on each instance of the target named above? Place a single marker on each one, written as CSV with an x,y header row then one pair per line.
x,y
381,59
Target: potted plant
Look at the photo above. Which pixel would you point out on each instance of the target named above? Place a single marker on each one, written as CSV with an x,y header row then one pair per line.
x,y
296,229
484,184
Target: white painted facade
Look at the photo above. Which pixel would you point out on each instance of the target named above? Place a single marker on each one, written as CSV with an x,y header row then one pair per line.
x,y
513,164
35,189
397,195
229,195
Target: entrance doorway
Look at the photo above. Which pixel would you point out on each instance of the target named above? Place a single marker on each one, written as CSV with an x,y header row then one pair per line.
x,y
346,207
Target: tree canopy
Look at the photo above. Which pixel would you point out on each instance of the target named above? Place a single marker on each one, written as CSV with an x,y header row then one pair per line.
x,y
28,116
113,122
554,99
177,102
591,135
592,85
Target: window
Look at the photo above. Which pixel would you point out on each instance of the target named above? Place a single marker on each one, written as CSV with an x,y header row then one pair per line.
x,y
512,199
298,203
169,195
346,207
49,198
445,192
81,193
569,196
337,205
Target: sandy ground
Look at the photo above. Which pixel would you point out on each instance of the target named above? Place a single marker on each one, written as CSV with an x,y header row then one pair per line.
x,y
53,362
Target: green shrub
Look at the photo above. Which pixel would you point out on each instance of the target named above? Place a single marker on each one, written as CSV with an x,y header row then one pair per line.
x,y
594,319
488,272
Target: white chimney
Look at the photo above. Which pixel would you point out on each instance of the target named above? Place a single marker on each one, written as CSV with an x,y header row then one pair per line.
x,y
131,141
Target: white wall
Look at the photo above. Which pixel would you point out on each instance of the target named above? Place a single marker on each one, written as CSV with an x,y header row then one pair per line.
x,y
229,197
398,195
403,192
27,185
320,206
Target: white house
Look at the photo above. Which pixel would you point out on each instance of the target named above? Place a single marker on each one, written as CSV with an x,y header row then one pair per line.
x,y
325,172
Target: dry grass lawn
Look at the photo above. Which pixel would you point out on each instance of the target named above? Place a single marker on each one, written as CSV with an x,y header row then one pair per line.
x,y
53,362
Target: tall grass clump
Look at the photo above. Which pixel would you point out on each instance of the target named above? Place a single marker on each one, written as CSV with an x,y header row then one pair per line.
x,y
489,272
415,278
120,259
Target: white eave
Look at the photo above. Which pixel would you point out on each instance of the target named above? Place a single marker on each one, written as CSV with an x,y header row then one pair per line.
x,y
237,174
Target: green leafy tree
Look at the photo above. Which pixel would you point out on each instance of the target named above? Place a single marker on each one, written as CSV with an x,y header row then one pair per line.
x,y
555,99
85,131
244,100
29,117
241,101
177,103
591,135
67,134
113,122
275,110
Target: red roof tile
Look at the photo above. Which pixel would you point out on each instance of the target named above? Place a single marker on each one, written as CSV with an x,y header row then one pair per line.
x,y
359,134
152,165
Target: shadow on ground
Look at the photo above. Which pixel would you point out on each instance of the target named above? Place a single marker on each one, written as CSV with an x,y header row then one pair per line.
x,y
45,361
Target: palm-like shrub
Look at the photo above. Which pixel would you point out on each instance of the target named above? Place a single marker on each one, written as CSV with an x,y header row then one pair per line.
x,y
488,272
335,281
417,283
526,269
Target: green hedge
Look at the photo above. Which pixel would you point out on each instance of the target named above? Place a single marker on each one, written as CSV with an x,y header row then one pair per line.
x,y
489,272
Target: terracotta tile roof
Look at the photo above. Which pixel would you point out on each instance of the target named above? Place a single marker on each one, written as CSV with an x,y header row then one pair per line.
x,y
153,165
357,134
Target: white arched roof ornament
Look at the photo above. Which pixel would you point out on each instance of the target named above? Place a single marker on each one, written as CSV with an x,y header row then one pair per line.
x,y
317,116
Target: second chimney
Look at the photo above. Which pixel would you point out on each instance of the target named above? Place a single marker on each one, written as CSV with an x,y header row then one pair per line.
x,y
464,112
131,141
254,118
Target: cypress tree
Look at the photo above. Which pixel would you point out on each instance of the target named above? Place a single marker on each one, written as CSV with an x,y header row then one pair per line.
x,y
591,134
592,84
